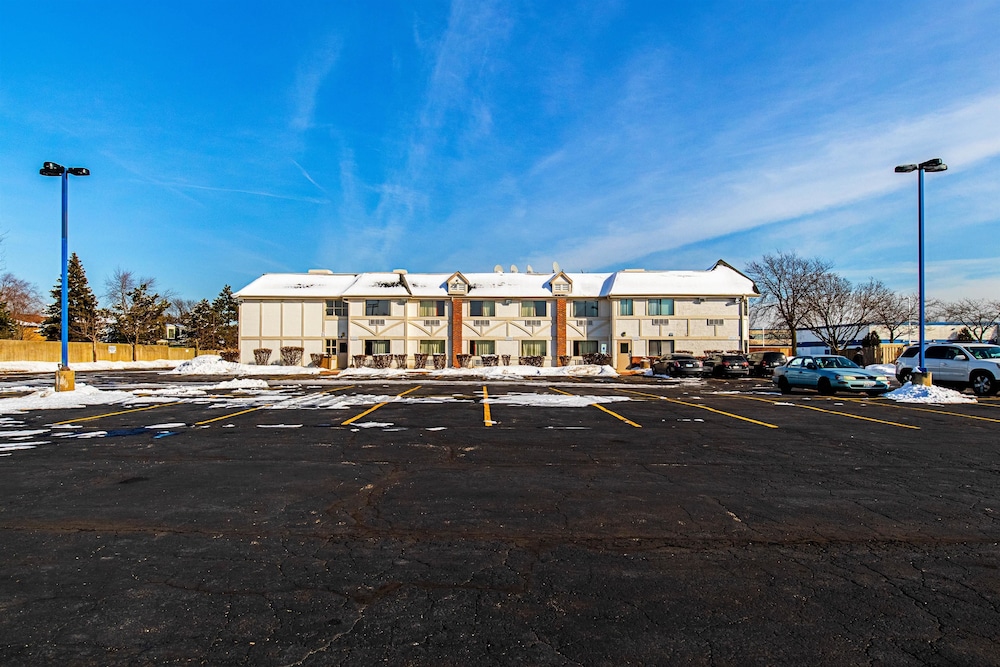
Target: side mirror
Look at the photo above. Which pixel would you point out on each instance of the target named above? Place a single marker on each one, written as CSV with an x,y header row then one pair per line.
x,y
961,357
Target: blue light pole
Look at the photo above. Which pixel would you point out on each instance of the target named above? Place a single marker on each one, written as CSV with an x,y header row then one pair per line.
x,y
53,169
931,165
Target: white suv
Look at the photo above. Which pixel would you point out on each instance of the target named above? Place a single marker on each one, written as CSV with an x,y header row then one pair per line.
x,y
975,365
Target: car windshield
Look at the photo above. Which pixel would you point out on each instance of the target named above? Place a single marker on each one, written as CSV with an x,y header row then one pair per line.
x,y
986,352
835,362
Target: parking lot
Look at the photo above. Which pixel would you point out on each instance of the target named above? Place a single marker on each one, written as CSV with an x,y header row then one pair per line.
x,y
614,522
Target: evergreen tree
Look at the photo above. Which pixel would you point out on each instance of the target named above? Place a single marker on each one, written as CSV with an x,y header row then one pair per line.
x,y
201,324
139,318
8,327
227,311
84,316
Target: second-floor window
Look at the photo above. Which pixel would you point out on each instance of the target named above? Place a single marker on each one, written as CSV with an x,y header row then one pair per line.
x,y
625,307
336,308
375,307
661,307
482,309
533,309
432,309
584,309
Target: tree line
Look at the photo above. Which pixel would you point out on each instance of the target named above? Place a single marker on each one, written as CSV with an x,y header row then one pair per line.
x,y
137,313
805,293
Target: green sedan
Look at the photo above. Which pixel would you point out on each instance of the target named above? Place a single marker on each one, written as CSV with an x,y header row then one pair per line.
x,y
827,374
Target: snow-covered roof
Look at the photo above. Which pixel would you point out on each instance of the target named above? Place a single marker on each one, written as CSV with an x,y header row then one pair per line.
x,y
720,280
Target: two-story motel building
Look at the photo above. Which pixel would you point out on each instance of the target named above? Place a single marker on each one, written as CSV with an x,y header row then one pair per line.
x,y
626,314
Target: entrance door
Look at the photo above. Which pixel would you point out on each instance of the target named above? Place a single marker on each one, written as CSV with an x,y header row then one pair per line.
x,y
624,357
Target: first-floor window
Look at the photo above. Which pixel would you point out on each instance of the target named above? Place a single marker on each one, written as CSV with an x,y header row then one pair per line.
x,y
533,348
657,348
376,347
330,346
582,347
481,347
432,347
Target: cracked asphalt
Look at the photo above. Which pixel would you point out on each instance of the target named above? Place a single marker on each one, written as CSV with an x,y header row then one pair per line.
x,y
686,525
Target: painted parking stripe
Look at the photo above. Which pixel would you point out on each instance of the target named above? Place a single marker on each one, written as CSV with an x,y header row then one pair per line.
x,y
266,405
487,419
376,407
703,407
939,412
602,408
834,412
112,414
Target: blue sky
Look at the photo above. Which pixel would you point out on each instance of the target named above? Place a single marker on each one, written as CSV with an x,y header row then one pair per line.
x,y
229,139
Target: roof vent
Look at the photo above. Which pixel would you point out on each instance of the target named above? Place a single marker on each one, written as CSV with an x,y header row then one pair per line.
x,y
401,272
321,272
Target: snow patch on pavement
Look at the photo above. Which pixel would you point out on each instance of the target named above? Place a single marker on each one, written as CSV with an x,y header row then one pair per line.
x,y
918,393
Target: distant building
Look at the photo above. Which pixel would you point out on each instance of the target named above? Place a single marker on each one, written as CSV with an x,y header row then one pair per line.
x,y
937,332
625,314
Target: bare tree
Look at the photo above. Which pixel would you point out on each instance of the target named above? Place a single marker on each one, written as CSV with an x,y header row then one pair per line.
x,y
785,281
837,310
978,316
894,312
23,301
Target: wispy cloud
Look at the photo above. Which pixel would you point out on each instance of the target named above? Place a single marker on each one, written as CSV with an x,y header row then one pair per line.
x,y
309,79
256,193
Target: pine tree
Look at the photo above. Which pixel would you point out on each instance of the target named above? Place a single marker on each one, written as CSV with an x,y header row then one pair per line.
x,y
8,327
227,311
140,318
201,323
84,317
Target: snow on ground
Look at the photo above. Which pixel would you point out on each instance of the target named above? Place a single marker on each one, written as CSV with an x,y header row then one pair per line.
x,y
52,366
918,393
241,383
553,400
83,395
211,364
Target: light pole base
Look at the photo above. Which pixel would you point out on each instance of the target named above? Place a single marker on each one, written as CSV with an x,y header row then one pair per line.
x,y
918,378
65,380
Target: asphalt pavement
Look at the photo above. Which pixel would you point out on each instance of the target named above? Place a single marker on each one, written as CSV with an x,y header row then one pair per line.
x,y
415,523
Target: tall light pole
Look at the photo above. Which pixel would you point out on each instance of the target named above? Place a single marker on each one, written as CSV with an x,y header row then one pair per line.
x,y
930,165
64,376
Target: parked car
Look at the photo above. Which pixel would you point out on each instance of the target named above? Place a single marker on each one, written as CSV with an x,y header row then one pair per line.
x,y
679,365
762,364
961,365
827,374
727,365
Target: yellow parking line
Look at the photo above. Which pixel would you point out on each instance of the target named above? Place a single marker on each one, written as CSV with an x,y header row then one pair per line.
x,y
487,420
834,412
112,414
939,412
703,407
375,407
602,408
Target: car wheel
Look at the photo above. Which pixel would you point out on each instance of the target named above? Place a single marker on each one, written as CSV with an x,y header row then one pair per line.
x,y
825,388
904,375
983,384
783,386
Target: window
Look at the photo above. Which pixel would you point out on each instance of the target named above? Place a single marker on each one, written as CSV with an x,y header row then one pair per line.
x,y
482,308
343,347
715,323
658,348
584,309
533,309
377,346
582,347
432,309
625,307
432,347
560,288
481,347
336,308
533,348
376,307
330,346
661,307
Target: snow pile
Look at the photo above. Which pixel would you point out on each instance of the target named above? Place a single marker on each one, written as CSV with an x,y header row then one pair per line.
x,y
212,364
83,395
918,393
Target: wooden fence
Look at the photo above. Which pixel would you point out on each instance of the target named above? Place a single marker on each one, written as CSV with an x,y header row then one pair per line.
x,y
30,350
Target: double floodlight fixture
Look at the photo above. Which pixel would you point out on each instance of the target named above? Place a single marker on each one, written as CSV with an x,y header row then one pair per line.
x,y
931,165
53,169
